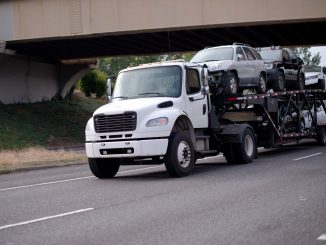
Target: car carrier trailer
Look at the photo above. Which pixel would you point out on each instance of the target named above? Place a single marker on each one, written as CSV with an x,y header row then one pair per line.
x,y
174,113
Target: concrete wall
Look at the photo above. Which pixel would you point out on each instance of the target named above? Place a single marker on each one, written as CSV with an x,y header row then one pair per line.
x,y
26,81
28,19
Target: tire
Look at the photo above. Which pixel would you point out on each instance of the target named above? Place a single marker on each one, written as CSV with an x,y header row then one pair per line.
x,y
301,82
180,157
244,152
279,84
321,137
103,168
262,86
232,84
321,84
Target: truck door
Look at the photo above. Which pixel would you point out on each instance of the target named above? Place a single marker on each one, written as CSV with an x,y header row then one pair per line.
x,y
195,101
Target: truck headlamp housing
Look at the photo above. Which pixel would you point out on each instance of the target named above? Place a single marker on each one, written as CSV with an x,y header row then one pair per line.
x,y
160,121
88,127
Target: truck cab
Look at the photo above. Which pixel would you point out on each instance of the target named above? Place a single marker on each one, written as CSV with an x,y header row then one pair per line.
x,y
149,104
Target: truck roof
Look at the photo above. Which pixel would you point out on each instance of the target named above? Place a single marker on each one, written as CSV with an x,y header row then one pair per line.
x,y
161,63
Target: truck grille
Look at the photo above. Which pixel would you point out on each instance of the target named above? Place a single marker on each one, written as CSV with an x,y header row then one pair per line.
x,y
115,123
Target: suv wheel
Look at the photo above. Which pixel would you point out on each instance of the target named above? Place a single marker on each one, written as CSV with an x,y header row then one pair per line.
x,y
301,82
279,85
262,86
232,84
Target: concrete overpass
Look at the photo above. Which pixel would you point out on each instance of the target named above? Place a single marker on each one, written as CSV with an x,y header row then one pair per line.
x,y
45,32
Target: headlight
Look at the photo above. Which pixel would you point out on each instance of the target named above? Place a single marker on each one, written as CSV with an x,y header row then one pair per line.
x,y
269,66
160,121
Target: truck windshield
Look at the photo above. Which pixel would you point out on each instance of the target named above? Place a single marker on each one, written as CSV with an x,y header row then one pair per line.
x,y
163,81
213,54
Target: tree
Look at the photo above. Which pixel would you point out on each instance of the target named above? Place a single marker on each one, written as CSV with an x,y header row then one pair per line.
x,y
305,54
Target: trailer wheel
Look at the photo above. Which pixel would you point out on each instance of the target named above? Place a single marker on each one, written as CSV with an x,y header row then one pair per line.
x,y
232,84
262,86
279,84
243,152
322,136
103,168
180,157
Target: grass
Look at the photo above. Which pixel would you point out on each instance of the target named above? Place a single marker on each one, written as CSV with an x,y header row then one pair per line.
x,y
54,123
12,160
28,130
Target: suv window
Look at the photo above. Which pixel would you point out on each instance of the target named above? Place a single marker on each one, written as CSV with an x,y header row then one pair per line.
x,y
258,57
250,55
285,55
193,82
240,51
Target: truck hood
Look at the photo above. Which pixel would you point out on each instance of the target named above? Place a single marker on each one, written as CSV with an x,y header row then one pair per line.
x,y
137,104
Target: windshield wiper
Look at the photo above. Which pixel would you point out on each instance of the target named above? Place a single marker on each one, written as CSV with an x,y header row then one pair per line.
x,y
153,93
120,97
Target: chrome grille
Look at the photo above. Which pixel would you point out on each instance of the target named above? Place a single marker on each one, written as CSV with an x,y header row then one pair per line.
x,y
115,123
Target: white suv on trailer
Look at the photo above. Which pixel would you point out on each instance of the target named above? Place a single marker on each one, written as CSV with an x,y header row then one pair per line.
x,y
233,68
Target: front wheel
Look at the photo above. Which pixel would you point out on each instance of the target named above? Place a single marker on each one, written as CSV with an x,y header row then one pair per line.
x,y
262,86
301,82
180,157
103,168
231,87
279,84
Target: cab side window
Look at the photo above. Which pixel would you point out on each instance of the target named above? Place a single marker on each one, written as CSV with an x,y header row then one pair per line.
x,y
193,82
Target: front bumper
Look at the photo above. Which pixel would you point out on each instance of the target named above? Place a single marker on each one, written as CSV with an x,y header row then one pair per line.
x,y
127,149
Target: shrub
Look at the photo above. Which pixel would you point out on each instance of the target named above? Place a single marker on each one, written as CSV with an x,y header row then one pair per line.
x,y
93,82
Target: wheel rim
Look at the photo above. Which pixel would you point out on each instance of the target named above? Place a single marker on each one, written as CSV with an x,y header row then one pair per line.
x,y
249,145
184,154
281,82
262,84
233,85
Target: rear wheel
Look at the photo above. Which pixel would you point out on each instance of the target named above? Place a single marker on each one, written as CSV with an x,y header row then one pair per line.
x,y
180,157
103,167
279,84
243,152
262,86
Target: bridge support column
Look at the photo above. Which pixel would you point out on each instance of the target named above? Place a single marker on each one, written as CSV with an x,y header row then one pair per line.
x,y
26,80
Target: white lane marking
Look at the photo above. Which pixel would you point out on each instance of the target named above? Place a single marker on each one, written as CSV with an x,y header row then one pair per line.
x,y
69,180
45,218
45,183
316,154
322,237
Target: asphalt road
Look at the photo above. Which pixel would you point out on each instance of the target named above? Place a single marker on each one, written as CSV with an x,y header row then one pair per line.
x,y
278,199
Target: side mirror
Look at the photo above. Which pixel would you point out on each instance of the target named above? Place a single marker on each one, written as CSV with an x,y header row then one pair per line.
x,y
204,75
239,56
109,88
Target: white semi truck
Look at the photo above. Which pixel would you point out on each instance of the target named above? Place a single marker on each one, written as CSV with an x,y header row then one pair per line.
x,y
173,113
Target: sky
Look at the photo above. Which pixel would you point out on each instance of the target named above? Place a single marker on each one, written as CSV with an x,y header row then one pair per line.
x,y
322,52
